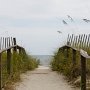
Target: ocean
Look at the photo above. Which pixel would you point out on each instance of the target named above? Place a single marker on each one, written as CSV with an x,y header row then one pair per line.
x,y
44,59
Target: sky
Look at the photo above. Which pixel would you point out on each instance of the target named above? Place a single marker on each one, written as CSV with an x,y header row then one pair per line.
x,y
35,22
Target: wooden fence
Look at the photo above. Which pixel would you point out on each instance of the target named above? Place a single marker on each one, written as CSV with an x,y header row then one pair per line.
x,y
79,44
81,41
8,45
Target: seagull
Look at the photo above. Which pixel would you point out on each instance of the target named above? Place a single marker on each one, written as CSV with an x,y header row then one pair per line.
x,y
86,20
70,17
59,31
64,22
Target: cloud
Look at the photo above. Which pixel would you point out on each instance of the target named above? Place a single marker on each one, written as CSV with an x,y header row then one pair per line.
x,y
24,8
43,8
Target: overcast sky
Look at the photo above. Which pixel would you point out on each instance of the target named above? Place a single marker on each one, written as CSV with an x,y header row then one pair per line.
x,y
35,22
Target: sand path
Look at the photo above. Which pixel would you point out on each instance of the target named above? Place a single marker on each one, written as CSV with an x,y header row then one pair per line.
x,y
42,79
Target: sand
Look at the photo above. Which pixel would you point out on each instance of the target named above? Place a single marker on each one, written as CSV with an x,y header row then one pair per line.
x,y
42,79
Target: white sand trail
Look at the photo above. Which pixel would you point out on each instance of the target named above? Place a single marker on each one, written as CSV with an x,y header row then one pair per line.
x,y
42,79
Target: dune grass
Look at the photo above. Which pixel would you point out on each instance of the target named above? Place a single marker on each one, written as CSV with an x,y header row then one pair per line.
x,y
65,66
20,63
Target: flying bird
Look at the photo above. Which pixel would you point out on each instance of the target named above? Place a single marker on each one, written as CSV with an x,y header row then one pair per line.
x,y
70,18
86,20
64,22
59,31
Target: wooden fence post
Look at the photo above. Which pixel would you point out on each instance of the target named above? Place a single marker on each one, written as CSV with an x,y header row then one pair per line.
x,y
9,61
0,71
14,41
83,73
